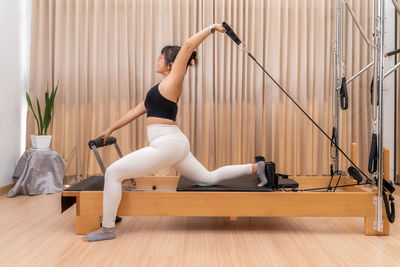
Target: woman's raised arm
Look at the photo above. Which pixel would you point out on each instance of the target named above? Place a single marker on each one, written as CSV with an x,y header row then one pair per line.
x,y
178,70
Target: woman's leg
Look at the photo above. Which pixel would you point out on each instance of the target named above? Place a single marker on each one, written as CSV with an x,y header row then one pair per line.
x,y
193,169
162,152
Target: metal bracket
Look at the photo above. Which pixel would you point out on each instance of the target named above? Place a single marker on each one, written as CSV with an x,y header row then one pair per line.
x,y
243,47
375,126
129,187
378,203
376,209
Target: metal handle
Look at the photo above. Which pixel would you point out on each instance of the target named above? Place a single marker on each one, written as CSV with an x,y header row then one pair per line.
x,y
231,33
99,142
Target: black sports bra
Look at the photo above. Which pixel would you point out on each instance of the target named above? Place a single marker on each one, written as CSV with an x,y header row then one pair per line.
x,y
158,106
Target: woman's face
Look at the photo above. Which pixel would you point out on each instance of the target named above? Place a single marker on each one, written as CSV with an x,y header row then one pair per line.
x,y
161,67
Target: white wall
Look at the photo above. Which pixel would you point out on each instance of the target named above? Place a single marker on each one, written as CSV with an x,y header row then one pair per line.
x,y
14,79
389,86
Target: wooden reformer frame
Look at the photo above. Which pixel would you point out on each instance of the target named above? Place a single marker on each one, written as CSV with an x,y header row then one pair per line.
x,y
355,201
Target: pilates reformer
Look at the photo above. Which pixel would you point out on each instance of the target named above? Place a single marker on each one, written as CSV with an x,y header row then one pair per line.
x,y
295,197
240,197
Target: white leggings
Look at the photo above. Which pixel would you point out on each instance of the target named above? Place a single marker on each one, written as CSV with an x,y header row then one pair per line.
x,y
168,147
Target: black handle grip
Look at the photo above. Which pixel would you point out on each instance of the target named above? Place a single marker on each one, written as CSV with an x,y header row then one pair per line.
x,y
373,155
353,172
231,33
99,142
344,96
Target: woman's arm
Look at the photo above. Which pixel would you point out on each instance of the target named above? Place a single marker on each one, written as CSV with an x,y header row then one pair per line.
x,y
178,70
131,115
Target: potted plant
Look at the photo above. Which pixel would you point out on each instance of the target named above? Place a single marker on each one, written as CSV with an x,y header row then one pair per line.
x,y
42,140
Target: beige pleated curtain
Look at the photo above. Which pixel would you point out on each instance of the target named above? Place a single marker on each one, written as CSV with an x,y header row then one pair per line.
x,y
103,53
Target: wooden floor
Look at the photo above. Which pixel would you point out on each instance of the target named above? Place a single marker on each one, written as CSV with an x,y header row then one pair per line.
x,y
35,233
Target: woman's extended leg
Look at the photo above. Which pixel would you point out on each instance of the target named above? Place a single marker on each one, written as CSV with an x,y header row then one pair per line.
x,y
193,169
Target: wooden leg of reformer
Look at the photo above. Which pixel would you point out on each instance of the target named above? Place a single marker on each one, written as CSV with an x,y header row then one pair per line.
x,y
88,211
87,223
233,218
369,221
369,226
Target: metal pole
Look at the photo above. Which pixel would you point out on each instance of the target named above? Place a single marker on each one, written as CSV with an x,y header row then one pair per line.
x,y
379,15
395,67
338,76
396,6
376,65
359,73
364,35
380,122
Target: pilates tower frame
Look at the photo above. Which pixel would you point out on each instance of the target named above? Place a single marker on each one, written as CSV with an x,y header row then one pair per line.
x,y
377,50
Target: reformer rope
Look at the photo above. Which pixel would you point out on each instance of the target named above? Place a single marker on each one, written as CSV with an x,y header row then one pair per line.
x,y
233,36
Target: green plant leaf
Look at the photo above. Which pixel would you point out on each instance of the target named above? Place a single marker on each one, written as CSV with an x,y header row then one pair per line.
x,y
47,110
43,122
49,106
28,99
40,115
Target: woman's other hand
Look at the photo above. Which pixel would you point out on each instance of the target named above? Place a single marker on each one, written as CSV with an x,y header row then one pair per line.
x,y
105,135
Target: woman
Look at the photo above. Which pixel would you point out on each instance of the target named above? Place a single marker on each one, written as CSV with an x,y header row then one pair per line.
x,y
168,146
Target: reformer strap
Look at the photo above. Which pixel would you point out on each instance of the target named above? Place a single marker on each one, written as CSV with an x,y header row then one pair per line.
x,y
232,35
373,154
390,211
344,96
371,89
334,140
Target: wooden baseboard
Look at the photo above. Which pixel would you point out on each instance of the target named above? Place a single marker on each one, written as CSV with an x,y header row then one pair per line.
x,y
4,189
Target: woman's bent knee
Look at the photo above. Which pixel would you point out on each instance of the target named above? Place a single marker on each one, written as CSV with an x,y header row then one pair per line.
x,y
111,173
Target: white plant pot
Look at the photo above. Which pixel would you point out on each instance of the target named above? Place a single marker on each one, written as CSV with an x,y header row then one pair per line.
x,y
40,141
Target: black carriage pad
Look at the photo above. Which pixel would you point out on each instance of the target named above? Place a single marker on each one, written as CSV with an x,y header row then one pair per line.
x,y
246,183
92,183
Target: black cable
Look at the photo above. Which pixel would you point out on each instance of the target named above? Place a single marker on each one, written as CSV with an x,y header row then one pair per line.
x,y
305,113
323,188
234,37
340,177
330,181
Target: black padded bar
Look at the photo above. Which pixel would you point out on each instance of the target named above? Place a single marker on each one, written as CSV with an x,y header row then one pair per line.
x,y
92,183
231,33
99,142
